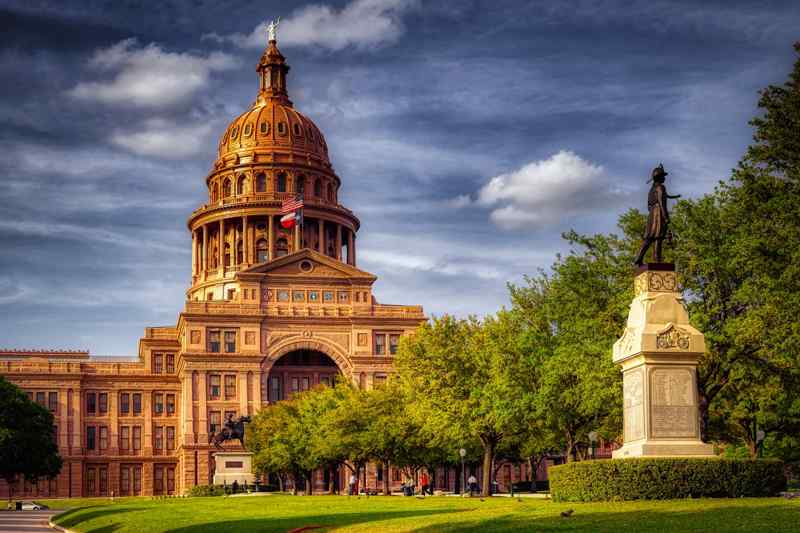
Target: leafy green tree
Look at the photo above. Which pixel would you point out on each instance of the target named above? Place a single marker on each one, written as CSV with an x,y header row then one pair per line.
x,y
575,313
27,440
469,381
740,265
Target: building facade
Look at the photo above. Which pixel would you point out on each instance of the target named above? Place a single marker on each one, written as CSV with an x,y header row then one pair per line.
x,y
269,312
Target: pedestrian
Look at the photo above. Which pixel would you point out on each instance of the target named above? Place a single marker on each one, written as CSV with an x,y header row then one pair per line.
x,y
473,484
423,481
352,484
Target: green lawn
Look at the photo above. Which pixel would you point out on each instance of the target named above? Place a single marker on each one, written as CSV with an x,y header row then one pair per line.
x,y
281,513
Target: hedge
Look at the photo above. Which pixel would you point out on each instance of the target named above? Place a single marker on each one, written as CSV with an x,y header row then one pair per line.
x,y
207,490
666,478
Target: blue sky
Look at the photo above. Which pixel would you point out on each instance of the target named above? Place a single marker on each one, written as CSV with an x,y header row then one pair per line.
x,y
468,137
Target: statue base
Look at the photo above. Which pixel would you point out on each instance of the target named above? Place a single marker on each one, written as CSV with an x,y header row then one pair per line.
x,y
654,448
658,355
233,466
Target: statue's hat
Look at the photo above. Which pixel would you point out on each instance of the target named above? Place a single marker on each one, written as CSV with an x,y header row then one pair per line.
x,y
659,172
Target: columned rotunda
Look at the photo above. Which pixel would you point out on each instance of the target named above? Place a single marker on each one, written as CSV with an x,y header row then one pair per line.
x,y
269,312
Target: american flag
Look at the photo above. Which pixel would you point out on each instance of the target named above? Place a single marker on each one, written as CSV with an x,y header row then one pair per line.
x,y
292,204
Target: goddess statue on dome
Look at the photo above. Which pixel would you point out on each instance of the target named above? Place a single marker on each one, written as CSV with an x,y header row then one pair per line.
x,y
272,29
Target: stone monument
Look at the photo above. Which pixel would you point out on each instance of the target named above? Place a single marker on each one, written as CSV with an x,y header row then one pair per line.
x,y
659,352
233,466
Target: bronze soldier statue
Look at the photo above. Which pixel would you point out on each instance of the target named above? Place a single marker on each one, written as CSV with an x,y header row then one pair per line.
x,y
657,218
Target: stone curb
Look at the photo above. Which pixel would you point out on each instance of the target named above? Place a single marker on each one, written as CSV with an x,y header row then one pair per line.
x,y
56,526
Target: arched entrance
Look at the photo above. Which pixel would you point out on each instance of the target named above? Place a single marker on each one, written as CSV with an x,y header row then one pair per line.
x,y
298,371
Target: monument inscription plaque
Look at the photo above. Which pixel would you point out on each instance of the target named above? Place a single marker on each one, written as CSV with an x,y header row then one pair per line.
x,y
632,392
673,412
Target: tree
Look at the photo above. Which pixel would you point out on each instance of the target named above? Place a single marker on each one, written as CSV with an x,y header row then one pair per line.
x,y
28,446
468,380
740,265
575,313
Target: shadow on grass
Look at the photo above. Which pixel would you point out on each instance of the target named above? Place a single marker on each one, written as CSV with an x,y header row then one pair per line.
x,y
76,516
767,518
283,524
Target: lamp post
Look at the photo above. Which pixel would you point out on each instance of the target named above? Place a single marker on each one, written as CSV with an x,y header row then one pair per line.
x,y
593,439
463,453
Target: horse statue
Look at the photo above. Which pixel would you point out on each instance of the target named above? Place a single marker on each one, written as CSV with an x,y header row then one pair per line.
x,y
232,430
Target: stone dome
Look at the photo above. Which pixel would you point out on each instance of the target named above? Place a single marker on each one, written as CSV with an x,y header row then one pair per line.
x,y
272,124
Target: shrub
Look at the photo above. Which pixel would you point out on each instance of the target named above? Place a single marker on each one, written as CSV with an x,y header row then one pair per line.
x,y
666,478
206,490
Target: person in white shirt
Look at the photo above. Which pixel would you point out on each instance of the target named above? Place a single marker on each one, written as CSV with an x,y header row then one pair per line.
x,y
352,484
472,482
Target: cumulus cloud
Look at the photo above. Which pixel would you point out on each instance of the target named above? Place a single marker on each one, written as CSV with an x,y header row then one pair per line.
x,y
149,76
542,191
164,139
361,23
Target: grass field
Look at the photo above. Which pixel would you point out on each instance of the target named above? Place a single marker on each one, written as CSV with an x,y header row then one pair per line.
x,y
281,513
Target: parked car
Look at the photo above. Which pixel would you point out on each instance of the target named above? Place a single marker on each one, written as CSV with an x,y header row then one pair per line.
x,y
32,506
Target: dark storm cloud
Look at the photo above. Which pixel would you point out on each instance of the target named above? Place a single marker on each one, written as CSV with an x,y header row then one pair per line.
x,y
99,171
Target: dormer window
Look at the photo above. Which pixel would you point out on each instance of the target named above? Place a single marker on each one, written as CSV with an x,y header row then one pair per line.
x,y
281,128
264,127
248,129
297,131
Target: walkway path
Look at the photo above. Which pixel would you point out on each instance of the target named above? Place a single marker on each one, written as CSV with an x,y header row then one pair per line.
x,y
25,521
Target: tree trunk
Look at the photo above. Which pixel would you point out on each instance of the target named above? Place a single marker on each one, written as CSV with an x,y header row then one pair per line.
x,y
309,476
281,485
459,477
331,474
386,491
488,457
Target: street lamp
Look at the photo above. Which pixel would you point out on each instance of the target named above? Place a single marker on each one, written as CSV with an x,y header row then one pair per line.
x,y
593,439
463,453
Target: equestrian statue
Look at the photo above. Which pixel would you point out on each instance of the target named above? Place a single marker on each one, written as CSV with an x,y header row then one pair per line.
x,y
231,430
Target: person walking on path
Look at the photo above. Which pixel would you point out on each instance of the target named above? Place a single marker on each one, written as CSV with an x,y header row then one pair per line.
x,y
423,481
352,485
473,484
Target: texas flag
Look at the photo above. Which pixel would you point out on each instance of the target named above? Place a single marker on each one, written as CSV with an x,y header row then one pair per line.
x,y
289,221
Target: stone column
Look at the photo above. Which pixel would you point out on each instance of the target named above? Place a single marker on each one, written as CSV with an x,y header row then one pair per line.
x,y
658,353
202,409
187,414
204,254
271,238
339,242
351,253
221,244
321,236
245,242
194,253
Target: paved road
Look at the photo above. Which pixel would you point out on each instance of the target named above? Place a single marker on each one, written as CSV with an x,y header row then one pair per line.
x,y
25,521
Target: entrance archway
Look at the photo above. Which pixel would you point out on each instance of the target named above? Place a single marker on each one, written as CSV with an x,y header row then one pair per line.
x,y
298,371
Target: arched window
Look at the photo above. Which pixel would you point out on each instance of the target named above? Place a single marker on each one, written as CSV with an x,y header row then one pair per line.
x,y
317,188
226,188
261,183
214,255
228,257
261,251
300,186
240,185
239,252
281,247
330,192
281,186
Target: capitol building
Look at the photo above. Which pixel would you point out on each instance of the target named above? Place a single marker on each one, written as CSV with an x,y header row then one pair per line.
x,y
270,311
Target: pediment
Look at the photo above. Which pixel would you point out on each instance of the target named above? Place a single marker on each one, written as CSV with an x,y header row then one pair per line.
x,y
307,264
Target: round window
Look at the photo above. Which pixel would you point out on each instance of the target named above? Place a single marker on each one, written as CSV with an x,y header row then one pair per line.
x,y
306,266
